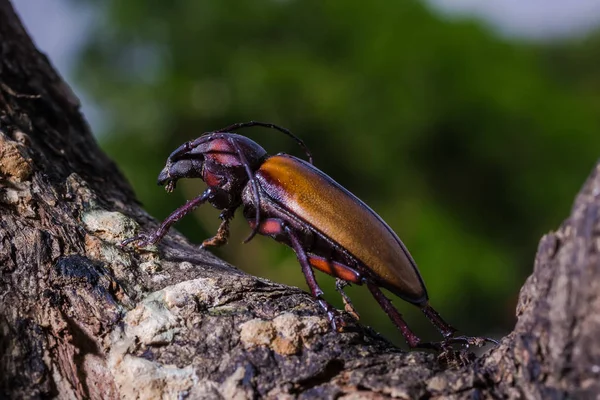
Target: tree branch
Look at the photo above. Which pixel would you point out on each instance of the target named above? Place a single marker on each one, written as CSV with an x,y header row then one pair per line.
x,y
81,318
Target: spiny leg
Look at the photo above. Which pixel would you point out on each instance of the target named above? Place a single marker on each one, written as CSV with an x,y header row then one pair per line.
x,y
310,277
144,240
436,319
385,303
222,235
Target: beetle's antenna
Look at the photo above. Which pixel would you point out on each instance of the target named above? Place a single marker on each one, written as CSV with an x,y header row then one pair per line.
x,y
254,186
241,125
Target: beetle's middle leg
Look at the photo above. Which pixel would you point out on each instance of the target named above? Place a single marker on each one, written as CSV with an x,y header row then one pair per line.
x,y
222,235
309,274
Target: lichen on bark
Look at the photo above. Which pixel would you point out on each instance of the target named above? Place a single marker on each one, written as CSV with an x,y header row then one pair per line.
x,y
82,318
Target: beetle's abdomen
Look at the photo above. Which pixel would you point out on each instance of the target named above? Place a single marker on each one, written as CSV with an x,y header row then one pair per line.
x,y
334,212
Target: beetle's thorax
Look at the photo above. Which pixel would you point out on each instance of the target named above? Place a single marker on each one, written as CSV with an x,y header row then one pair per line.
x,y
227,171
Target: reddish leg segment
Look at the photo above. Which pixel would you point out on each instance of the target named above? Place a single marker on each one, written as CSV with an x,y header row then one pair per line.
x,y
275,228
335,269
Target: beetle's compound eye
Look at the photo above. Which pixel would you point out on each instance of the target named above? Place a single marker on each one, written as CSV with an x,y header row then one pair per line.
x,y
186,168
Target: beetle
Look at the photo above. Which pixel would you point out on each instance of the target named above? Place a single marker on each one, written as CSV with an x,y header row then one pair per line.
x,y
293,202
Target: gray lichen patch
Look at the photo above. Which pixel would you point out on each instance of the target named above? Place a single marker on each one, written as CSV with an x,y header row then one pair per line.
x,y
152,322
19,196
111,226
257,332
138,378
98,249
206,292
159,317
151,266
16,168
285,334
107,228
233,387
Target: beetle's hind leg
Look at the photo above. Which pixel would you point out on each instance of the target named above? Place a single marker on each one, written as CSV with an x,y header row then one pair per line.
x,y
436,319
385,303
222,235
413,340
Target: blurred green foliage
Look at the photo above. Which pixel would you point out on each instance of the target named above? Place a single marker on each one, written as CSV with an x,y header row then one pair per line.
x,y
469,146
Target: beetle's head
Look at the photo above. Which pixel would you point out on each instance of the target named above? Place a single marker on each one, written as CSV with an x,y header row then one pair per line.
x,y
183,168
222,160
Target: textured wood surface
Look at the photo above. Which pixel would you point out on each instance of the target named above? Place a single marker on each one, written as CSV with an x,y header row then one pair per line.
x,y
80,318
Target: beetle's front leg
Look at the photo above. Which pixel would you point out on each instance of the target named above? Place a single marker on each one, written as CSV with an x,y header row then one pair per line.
x,y
222,235
144,240
315,290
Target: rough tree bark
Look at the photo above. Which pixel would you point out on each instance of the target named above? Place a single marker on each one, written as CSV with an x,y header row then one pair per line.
x,y
80,318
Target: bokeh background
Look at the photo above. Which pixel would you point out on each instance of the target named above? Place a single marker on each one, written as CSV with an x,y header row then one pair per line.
x,y
469,128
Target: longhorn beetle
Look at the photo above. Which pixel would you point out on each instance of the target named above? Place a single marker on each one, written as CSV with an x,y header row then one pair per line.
x,y
295,203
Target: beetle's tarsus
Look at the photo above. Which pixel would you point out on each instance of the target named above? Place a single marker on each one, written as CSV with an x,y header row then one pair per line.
x,y
455,358
335,319
139,241
465,341
348,306
214,241
222,235
470,341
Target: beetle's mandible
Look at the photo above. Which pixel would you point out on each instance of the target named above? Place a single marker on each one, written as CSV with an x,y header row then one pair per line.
x,y
295,203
